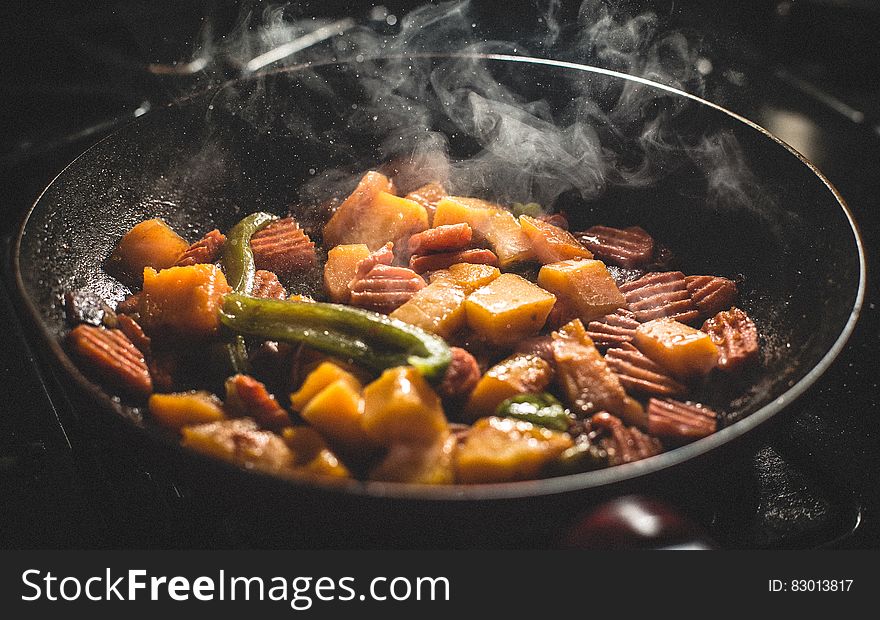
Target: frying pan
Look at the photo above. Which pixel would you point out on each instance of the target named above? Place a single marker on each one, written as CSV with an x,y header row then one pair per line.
x,y
769,219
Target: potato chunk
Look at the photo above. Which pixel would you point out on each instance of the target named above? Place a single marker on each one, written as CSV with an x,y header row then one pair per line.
x,y
467,275
239,441
183,300
437,308
400,406
419,463
311,454
341,267
322,376
682,350
505,450
492,222
150,243
589,384
551,243
337,412
508,309
523,373
374,216
584,286
186,408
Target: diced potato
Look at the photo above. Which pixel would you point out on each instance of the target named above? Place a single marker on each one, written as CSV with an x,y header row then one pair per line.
x,y
336,412
589,384
374,216
551,243
184,409
322,376
682,350
492,222
522,373
467,275
584,286
310,453
349,214
150,243
437,308
342,262
508,309
400,406
239,441
506,450
419,463
183,300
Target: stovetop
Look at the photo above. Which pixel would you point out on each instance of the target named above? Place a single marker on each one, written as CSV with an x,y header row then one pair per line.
x,y
815,482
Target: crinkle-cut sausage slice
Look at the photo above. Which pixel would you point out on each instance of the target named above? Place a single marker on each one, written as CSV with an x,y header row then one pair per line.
x,y
250,398
711,294
433,262
446,238
735,335
135,333
267,285
679,421
613,329
624,444
205,250
382,256
385,288
627,247
112,356
638,373
461,376
657,295
283,248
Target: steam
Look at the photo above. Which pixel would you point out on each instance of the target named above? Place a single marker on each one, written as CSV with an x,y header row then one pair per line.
x,y
522,149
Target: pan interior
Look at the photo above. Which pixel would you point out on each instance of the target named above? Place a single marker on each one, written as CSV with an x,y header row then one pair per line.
x,y
260,145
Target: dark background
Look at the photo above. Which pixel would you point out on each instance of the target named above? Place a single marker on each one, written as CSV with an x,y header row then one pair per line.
x,y
808,70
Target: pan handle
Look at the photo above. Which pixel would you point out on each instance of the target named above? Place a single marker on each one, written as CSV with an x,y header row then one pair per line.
x,y
636,522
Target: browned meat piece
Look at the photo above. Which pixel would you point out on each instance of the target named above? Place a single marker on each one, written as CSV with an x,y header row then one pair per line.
x,y
385,288
638,373
711,294
537,345
680,422
735,335
660,294
382,256
283,248
163,367
624,444
112,357
205,250
587,382
433,262
555,219
247,397
613,329
267,286
129,305
428,196
461,377
135,333
87,307
240,441
445,238
628,247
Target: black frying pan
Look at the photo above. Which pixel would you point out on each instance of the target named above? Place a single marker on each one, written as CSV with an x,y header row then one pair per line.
x,y
780,228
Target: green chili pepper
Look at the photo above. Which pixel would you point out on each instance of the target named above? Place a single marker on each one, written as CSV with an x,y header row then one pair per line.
x,y
532,209
238,266
369,338
238,258
541,409
582,456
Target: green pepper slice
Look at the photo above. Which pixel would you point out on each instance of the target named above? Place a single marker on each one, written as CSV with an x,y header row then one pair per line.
x,y
541,409
368,338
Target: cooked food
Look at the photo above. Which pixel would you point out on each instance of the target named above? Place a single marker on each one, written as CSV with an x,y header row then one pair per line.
x,y
424,339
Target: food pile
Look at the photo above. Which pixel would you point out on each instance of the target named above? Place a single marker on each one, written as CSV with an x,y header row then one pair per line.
x,y
427,338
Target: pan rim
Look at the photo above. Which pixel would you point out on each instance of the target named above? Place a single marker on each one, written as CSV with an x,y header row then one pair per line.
x,y
495,491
